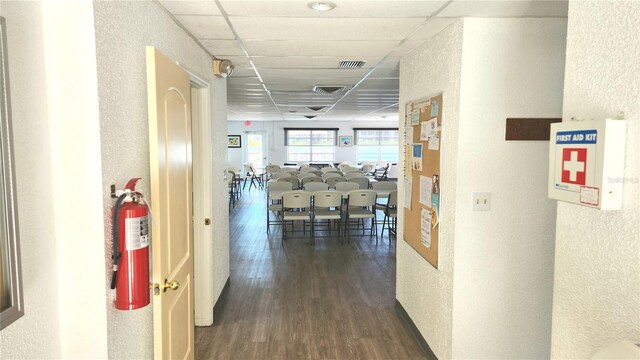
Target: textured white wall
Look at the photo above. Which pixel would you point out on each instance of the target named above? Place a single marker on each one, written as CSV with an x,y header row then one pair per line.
x,y
58,176
597,269
123,29
427,293
275,134
503,273
34,188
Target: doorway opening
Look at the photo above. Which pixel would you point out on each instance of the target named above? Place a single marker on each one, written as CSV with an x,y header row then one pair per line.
x,y
202,200
256,149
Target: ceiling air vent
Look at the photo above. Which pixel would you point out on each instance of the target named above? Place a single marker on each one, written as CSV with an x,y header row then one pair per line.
x,y
328,89
351,64
315,108
310,116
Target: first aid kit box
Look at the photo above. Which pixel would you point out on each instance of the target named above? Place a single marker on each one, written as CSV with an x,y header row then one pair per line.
x,y
586,163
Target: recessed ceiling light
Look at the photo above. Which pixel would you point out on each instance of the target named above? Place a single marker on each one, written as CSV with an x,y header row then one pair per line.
x,y
321,5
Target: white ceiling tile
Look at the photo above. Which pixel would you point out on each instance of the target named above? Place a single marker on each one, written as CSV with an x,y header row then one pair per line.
x,y
187,7
313,47
223,48
379,84
266,28
431,28
483,8
243,80
310,82
320,74
243,72
407,47
391,62
347,9
276,88
309,62
206,27
239,61
385,73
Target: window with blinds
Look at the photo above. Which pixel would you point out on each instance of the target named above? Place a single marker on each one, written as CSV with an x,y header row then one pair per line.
x,y
310,145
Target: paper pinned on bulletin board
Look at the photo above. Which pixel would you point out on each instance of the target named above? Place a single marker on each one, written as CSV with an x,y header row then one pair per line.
x,y
435,107
425,190
428,129
425,227
408,185
434,143
408,133
416,158
415,117
408,162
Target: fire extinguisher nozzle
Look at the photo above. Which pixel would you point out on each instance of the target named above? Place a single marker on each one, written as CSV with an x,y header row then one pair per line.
x,y
113,279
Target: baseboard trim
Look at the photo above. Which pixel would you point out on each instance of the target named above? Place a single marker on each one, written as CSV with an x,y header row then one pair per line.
x,y
222,299
414,331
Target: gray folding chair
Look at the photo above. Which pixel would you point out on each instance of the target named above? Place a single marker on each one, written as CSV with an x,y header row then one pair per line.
x,y
310,179
295,184
312,187
391,213
275,189
360,206
334,180
327,205
296,206
363,182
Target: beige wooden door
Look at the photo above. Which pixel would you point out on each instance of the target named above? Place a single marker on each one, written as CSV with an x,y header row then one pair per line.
x,y
171,198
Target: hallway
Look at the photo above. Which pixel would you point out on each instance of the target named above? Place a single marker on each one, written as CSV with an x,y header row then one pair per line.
x,y
334,301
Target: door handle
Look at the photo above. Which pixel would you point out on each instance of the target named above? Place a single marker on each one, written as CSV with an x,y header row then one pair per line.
x,y
174,285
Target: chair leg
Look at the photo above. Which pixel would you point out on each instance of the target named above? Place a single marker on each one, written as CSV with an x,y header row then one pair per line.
x,y
383,223
284,231
313,234
268,227
345,234
374,227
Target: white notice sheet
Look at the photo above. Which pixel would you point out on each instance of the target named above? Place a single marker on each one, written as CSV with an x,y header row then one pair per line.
x,y
426,183
425,227
408,184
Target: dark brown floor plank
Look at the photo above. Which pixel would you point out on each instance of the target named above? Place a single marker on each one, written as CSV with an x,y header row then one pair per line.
x,y
332,300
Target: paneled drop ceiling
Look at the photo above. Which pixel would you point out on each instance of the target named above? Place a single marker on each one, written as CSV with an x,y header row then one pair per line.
x,y
281,50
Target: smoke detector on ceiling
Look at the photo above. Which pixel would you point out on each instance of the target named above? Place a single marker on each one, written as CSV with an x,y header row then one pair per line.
x,y
310,116
321,5
315,108
222,68
328,89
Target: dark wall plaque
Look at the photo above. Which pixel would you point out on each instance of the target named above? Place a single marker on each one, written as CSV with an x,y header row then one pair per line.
x,y
529,128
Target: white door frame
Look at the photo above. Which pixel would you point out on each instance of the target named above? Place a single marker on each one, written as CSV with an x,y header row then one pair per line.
x,y
202,200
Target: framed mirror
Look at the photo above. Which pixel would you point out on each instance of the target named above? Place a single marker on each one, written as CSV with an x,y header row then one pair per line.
x,y
11,304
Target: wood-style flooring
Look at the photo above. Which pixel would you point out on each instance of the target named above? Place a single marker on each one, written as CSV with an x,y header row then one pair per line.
x,y
297,301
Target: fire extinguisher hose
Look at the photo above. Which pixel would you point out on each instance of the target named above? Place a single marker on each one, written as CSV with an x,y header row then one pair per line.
x,y
115,257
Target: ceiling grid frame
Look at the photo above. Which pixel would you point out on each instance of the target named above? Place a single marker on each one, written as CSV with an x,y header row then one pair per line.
x,y
282,49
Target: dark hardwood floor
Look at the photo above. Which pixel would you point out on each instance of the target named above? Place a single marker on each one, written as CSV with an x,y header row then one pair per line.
x,y
297,301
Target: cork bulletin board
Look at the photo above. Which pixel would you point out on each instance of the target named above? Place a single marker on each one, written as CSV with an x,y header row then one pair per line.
x,y
423,130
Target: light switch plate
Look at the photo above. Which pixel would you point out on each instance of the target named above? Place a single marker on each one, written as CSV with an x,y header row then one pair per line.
x,y
481,201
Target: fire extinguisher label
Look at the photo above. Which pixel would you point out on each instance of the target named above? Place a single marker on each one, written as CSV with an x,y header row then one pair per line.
x,y
136,233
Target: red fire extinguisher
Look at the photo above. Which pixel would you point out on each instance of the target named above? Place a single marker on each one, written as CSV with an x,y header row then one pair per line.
x,y
130,249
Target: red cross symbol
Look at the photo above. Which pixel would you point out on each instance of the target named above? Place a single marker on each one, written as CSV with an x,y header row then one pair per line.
x,y
574,165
